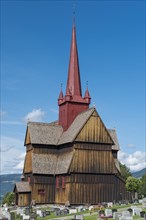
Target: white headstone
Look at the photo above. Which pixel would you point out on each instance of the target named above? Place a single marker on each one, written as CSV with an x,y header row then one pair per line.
x,y
110,204
144,202
126,218
72,211
136,211
116,215
126,213
108,212
91,207
79,217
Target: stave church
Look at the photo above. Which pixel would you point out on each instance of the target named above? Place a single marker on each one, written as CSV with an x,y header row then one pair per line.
x,y
74,159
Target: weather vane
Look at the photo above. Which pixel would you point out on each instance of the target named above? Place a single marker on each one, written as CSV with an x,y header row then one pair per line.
x,y
87,84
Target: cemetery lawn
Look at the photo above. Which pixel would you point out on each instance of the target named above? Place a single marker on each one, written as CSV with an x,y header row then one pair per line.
x,y
94,217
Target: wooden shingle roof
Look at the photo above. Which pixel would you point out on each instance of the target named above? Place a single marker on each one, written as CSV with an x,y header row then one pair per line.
x,y
76,126
63,162
51,163
43,133
23,187
52,133
113,135
44,163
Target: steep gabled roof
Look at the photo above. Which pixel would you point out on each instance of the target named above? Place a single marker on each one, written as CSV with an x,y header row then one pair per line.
x,y
76,126
113,135
51,163
52,133
23,187
43,133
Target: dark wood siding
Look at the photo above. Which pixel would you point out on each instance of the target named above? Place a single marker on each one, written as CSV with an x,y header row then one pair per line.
x,y
28,162
94,131
43,190
23,199
92,161
93,189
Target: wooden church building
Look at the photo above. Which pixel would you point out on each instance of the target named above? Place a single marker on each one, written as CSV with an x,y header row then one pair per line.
x,y
74,159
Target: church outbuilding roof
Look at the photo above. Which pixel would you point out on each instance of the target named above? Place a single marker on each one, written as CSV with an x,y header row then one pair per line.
x,y
23,187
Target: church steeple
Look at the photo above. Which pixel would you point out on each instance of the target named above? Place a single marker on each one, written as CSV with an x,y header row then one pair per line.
x,y
74,82
72,103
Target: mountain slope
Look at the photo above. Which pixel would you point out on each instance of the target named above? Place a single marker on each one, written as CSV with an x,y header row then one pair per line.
x,y
139,173
7,182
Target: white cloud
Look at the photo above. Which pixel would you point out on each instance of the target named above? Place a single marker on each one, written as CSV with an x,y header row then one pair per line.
x,y
35,115
12,155
135,161
20,164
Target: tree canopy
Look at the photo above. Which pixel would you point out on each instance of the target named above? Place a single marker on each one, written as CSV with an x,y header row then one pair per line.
x,y
133,184
125,171
142,189
9,198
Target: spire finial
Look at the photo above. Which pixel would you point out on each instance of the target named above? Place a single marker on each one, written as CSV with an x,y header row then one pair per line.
x,y
87,84
74,12
61,86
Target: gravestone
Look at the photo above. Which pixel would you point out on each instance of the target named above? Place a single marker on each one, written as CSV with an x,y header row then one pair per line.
x,y
27,210
126,213
72,211
116,215
12,214
110,204
144,203
126,218
108,213
136,211
79,217
33,216
25,217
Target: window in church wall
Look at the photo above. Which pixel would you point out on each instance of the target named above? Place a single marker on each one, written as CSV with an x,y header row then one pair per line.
x,y
63,182
41,191
57,182
28,179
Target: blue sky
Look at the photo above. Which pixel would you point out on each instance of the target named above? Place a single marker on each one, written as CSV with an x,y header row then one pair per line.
x,y
35,46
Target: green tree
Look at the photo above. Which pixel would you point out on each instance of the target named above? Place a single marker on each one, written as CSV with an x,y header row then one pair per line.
x,y
125,171
9,198
133,185
142,190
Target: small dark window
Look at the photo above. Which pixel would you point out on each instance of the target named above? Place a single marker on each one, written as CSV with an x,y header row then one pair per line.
x,y
28,179
57,182
63,182
41,191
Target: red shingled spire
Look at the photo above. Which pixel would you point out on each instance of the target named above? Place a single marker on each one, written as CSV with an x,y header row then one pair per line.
x,y
72,103
74,82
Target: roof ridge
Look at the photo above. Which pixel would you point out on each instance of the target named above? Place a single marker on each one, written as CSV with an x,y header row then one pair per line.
x,y
89,109
45,123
